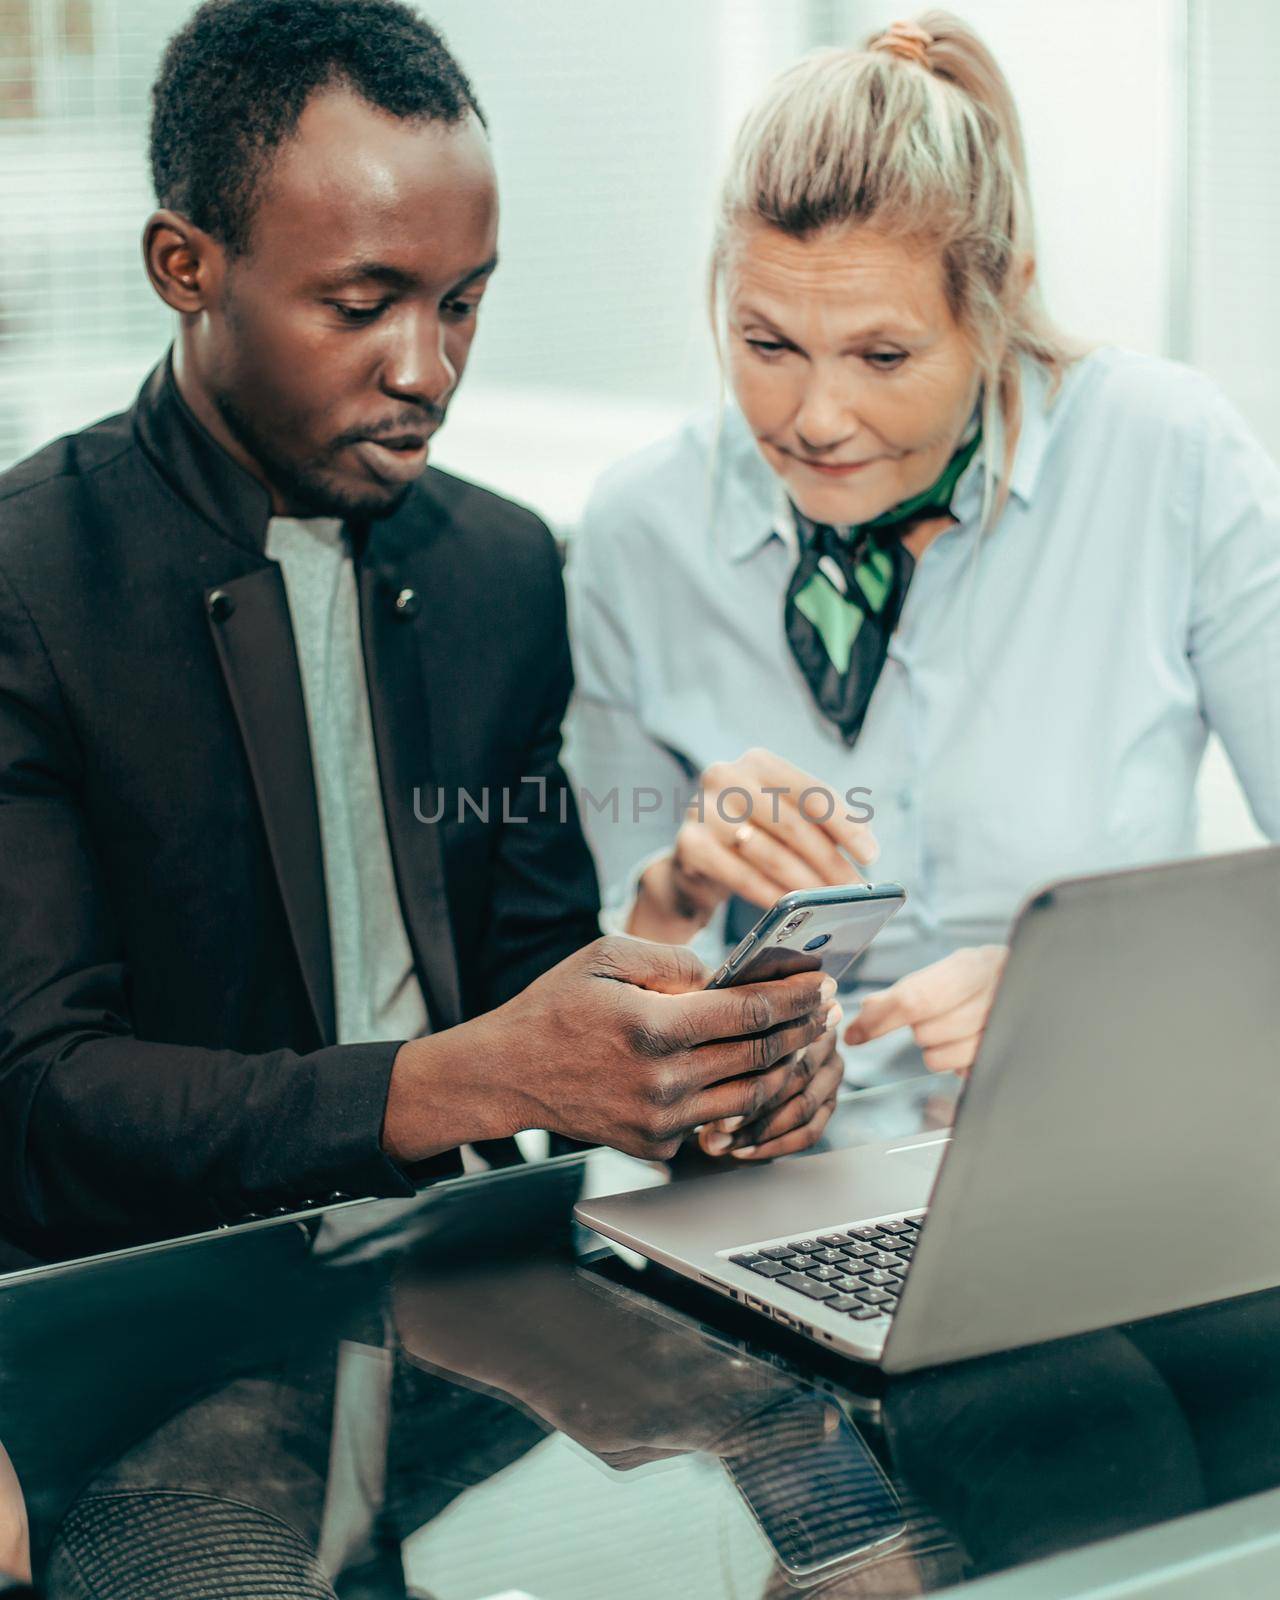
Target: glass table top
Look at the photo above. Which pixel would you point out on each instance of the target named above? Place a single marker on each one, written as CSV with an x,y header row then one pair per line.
x,y
467,1396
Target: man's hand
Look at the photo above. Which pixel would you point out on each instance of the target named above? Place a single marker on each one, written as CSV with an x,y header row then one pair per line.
x,y
945,1005
620,1044
797,1116
757,828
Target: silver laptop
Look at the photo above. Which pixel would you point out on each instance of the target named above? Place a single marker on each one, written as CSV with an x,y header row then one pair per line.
x,y
1116,1154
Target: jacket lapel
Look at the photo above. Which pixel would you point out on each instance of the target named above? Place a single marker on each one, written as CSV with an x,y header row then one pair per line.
x,y
391,619
249,620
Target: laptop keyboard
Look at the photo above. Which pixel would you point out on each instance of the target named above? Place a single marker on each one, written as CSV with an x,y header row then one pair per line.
x,y
857,1270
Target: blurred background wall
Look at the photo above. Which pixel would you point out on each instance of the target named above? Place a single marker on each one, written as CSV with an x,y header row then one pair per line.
x,y
1150,127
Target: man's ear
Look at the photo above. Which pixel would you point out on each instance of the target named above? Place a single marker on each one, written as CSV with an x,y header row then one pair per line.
x,y
185,264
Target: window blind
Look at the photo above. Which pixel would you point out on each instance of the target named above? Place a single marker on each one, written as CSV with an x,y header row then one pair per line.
x,y
608,122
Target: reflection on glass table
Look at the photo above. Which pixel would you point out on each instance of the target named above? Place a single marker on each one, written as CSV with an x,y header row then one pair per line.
x,y
15,1551
461,1396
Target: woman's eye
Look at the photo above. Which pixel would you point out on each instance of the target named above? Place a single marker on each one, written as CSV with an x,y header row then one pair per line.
x,y
359,313
885,360
767,347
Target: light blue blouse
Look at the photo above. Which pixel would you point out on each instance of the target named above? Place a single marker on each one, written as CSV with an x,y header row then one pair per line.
x,y
1048,692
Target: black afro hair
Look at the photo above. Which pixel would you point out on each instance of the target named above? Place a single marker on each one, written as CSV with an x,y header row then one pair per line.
x,y
235,80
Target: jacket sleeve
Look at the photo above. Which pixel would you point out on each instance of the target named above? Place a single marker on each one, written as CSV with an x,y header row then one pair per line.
x,y
106,1138
545,900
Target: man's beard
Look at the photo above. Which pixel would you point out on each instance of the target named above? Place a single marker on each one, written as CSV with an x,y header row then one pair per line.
x,y
307,487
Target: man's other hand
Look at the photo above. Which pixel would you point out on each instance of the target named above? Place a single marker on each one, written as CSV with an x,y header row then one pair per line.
x,y
797,1116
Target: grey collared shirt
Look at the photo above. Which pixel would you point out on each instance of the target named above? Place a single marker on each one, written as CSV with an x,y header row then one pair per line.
x,y
376,989
1050,687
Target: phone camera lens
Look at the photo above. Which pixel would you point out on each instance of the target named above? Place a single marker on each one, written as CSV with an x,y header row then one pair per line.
x,y
818,940
794,921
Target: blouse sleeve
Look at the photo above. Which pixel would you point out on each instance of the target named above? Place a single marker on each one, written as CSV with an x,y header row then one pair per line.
x,y
1234,639
631,788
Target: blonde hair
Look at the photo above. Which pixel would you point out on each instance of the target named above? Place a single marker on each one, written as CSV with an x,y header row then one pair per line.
x,y
918,135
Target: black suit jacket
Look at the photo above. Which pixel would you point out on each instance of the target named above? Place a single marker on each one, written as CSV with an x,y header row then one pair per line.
x,y
167,1054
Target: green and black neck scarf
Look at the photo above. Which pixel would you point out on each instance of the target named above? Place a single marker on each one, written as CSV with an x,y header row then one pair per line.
x,y
847,593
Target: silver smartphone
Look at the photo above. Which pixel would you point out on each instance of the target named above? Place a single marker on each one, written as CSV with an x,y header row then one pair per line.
x,y
811,930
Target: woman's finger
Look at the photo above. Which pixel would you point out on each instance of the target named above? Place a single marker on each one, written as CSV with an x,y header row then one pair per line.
x,y
805,835
734,797
958,1056
930,992
762,850
962,1022
700,853
820,805
884,1012
793,807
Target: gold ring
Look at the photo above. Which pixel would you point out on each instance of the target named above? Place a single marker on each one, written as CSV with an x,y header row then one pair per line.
x,y
742,834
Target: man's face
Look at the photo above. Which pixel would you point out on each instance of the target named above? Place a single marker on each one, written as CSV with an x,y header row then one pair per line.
x,y
340,335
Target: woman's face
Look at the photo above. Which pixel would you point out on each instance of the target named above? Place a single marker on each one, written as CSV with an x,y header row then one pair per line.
x,y
853,375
